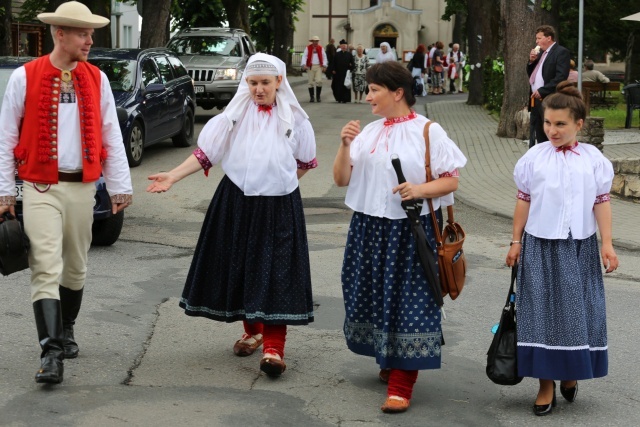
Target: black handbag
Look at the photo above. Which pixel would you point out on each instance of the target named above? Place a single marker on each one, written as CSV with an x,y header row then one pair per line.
x,y
14,245
502,363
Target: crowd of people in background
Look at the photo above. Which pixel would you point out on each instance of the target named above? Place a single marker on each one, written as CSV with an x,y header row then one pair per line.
x,y
435,70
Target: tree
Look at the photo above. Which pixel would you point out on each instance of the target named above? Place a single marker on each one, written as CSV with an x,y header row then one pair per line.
x,y
484,42
237,14
195,13
155,23
519,22
6,46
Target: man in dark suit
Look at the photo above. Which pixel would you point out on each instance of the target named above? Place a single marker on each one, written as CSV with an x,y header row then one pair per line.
x,y
548,66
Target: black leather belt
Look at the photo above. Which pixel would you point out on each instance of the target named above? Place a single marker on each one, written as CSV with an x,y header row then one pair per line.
x,y
70,176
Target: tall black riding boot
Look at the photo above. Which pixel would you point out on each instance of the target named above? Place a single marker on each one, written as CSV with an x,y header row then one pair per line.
x,y
49,324
318,92
70,302
311,95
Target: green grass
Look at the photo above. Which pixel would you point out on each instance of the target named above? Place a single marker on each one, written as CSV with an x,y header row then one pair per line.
x,y
614,118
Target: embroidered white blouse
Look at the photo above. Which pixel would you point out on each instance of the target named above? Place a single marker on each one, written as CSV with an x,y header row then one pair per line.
x,y
373,176
256,155
563,186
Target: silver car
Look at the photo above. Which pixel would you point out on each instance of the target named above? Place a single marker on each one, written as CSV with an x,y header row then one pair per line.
x,y
215,59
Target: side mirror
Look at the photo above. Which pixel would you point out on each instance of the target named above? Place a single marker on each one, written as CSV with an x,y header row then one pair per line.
x,y
154,88
123,116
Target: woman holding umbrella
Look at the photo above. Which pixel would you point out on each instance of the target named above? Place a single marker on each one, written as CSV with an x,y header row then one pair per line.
x,y
391,313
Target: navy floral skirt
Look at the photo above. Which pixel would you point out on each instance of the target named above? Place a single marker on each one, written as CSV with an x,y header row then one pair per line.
x,y
251,261
390,313
561,313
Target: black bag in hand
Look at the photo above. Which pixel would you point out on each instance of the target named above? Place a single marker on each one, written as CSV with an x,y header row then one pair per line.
x,y
502,364
14,245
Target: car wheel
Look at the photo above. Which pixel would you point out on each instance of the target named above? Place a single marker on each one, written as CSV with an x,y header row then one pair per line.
x,y
106,231
134,146
185,137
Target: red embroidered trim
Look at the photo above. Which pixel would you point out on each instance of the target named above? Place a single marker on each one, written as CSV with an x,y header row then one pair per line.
x,y
87,115
454,174
47,119
310,165
392,121
203,159
265,108
569,148
603,198
523,196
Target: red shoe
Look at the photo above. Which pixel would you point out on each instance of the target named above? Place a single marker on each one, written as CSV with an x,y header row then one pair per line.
x,y
272,366
243,348
395,404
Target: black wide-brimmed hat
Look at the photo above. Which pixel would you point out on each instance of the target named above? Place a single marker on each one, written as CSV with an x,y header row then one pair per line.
x,y
343,41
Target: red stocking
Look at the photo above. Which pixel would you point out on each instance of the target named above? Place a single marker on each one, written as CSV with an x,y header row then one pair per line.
x,y
274,339
401,383
252,328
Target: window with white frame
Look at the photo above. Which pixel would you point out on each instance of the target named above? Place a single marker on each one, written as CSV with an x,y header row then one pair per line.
x,y
127,35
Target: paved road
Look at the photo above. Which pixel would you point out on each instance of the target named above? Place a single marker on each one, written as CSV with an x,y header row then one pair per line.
x,y
145,363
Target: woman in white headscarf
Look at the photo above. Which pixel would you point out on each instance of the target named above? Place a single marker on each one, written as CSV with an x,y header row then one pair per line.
x,y
385,54
251,262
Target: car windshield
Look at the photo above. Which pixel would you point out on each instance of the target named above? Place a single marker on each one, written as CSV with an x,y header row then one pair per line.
x,y
4,79
120,72
205,45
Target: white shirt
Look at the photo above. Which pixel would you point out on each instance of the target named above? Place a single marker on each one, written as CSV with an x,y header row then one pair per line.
x,y
115,169
255,154
373,176
563,189
314,57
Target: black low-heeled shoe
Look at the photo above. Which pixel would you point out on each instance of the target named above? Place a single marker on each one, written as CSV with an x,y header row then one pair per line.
x,y
569,393
542,410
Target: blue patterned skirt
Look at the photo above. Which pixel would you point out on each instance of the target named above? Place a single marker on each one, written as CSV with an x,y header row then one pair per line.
x,y
561,314
390,313
252,260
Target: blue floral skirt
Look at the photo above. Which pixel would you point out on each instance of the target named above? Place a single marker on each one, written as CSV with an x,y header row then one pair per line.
x,y
561,314
251,261
390,313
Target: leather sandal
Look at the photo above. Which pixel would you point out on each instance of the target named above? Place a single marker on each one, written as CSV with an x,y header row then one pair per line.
x,y
242,348
395,404
272,366
384,375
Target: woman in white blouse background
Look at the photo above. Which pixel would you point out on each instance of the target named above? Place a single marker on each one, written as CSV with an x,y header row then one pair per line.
x,y
563,196
390,313
251,262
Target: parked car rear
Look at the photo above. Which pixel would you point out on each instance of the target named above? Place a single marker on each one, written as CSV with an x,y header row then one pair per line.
x,y
154,95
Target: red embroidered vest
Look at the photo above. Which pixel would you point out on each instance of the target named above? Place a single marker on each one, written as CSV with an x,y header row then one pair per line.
x,y
37,151
310,55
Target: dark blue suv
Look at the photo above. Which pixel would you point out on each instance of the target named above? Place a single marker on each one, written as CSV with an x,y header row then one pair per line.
x,y
154,95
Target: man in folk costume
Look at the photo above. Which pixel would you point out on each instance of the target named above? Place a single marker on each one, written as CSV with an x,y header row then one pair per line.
x,y
314,62
342,62
456,61
71,137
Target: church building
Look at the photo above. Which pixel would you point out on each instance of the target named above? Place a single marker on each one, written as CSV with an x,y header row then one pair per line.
x,y
402,23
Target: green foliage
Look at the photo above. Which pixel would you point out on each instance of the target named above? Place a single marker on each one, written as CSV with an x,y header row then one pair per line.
x,y
546,4
262,20
453,7
493,83
195,13
30,9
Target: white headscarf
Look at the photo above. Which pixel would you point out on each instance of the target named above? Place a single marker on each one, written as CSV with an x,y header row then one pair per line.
x,y
385,57
285,98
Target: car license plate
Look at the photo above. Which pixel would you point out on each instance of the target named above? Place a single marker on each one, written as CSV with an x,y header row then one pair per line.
x,y
199,89
18,191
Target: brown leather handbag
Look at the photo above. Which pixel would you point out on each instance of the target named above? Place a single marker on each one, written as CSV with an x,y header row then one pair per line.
x,y
451,260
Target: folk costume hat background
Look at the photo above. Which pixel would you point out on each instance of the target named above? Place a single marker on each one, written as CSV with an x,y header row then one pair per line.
x,y
73,14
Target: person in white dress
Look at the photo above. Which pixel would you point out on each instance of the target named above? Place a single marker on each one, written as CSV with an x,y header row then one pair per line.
x,y
390,310
563,197
251,263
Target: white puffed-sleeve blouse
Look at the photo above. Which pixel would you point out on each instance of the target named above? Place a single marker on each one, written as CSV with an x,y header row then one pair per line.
x,y
373,176
563,186
256,155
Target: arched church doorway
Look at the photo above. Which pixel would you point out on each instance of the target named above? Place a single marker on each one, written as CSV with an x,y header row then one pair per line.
x,y
385,33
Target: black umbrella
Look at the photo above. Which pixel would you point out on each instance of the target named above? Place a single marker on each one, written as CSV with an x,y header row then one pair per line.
x,y
427,258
